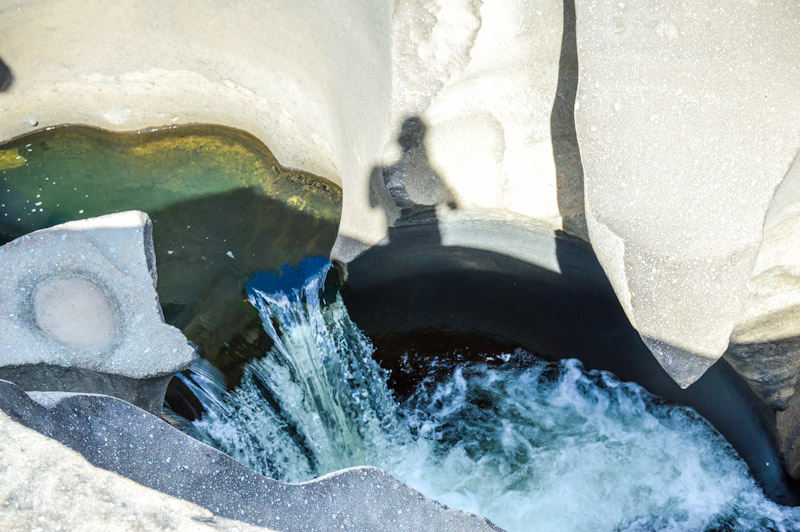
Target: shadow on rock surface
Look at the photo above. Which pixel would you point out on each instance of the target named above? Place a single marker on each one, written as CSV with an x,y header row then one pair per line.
x,y
6,77
444,281
566,152
410,190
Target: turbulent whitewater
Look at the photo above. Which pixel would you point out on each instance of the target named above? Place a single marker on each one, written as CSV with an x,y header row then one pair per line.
x,y
532,445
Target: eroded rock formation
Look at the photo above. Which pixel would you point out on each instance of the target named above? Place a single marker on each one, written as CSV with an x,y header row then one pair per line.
x,y
80,312
686,117
684,137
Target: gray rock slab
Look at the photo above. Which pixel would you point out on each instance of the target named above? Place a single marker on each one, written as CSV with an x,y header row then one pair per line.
x,y
116,436
46,486
687,119
82,295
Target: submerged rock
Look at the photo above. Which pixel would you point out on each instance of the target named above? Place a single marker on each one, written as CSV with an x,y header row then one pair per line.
x,y
81,313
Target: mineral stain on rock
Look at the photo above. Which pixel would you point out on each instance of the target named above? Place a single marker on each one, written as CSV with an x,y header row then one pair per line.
x,y
222,207
11,159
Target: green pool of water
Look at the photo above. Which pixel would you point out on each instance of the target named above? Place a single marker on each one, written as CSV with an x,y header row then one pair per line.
x,y
222,208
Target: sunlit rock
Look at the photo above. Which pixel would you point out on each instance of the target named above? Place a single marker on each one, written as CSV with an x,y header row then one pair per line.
x,y
46,486
684,136
495,85
80,311
765,344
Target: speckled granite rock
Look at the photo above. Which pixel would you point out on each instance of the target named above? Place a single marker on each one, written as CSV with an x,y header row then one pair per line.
x,y
687,120
75,496
81,313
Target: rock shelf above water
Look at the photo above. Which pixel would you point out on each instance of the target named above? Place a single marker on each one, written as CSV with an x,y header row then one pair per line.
x,y
80,311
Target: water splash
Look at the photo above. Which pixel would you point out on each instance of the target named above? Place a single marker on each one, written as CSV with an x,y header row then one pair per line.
x,y
530,444
317,402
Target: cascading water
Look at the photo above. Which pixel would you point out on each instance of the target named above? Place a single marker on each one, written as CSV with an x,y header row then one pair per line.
x,y
532,445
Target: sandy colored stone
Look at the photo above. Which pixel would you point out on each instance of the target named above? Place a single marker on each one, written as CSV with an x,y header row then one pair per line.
x,y
687,121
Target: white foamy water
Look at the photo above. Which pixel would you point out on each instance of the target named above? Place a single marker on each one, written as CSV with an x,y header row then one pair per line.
x,y
534,446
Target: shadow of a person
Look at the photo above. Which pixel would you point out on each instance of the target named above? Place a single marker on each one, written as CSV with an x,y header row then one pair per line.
x,y
410,190
5,76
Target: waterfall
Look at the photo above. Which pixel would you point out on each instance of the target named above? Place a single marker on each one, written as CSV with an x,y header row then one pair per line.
x,y
532,445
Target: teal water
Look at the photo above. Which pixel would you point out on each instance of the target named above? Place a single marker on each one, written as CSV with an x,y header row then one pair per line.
x,y
532,445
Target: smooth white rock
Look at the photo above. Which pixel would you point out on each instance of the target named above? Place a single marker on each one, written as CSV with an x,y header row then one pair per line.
x,y
484,77
687,120
765,344
310,79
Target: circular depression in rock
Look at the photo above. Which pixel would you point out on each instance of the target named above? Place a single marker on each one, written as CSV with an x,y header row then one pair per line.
x,y
74,312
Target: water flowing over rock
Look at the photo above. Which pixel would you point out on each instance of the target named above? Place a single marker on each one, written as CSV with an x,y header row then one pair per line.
x,y
687,119
506,437
684,136
116,436
80,311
